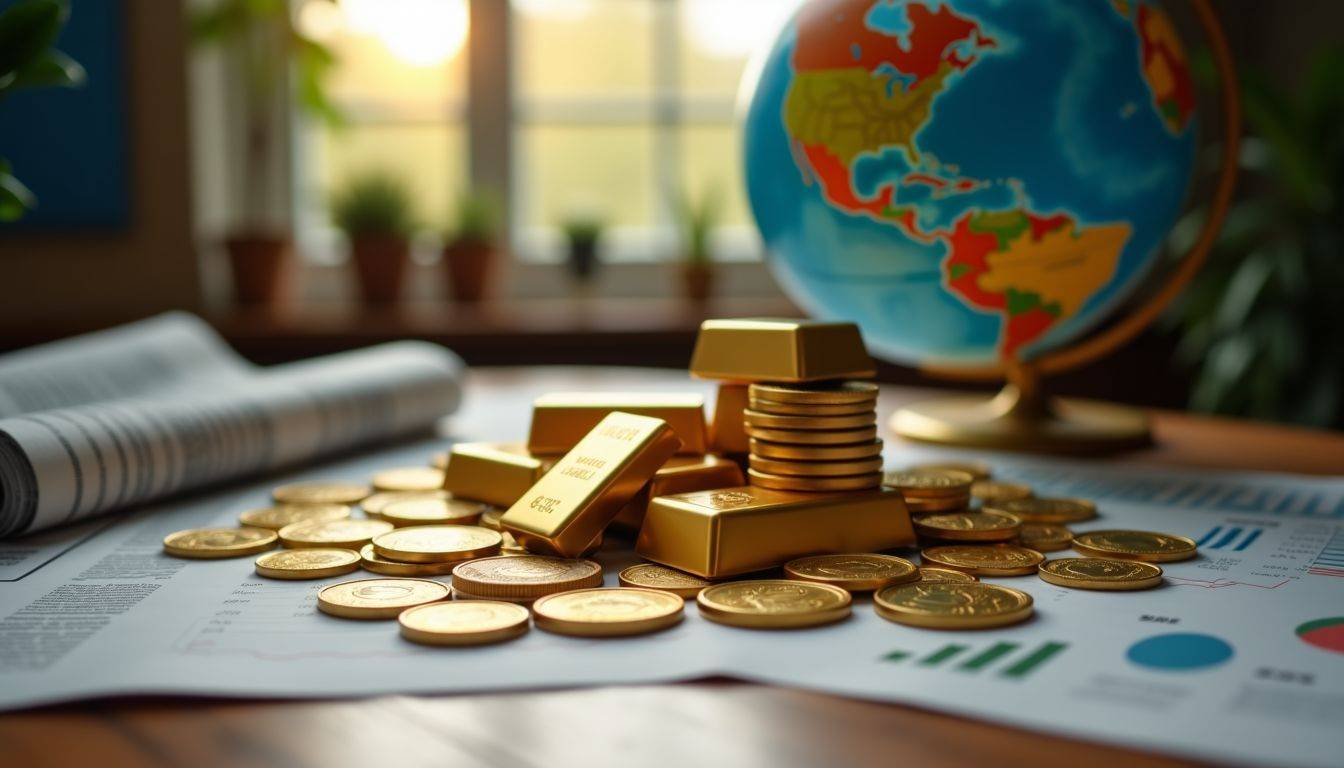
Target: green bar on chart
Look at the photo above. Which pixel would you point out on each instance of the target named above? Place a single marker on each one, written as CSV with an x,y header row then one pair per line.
x,y
941,655
1035,659
988,656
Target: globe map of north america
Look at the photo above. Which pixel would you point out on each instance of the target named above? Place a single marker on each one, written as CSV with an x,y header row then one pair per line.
x,y
971,180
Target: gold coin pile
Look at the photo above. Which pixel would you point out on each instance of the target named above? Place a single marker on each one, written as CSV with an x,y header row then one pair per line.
x,y
813,437
932,490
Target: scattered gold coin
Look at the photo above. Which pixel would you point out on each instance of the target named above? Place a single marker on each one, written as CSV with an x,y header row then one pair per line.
x,y
651,576
524,577
306,563
432,511
1044,537
378,598
812,437
925,485
280,515
815,468
490,518
815,484
994,491
994,560
1100,573
1045,510
778,421
952,605
607,612
475,623
968,526
437,543
213,543
408,479
821,394
768,450
1135,545
374,505
932,573
856,573
975,469
810,409
773,604
340,534
371,562
320,492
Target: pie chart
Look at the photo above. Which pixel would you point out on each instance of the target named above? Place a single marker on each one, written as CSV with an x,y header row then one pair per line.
x,y
1180,651
1327,633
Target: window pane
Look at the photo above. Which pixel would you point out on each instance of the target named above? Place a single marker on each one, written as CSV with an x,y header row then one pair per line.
x,y
583,48
712,164
603,171
719,37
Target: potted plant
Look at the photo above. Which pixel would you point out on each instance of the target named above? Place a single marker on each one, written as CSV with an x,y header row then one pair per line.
x,y
469,251
373,209
268,49
27,31
696,221
583,232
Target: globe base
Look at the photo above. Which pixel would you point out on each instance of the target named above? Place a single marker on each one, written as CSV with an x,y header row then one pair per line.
x,y
1019,420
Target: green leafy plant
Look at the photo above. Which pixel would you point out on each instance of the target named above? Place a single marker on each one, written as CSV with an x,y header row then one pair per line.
x,y
476,218
1263,323
375,204
583,230
695,221
28,30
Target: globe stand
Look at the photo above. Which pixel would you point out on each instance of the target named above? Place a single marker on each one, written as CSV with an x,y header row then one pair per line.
x,y
1022,417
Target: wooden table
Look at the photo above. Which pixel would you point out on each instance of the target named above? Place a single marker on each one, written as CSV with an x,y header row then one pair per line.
x,y
713,722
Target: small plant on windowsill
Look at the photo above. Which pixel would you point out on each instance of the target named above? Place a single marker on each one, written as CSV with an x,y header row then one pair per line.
x,y
471,248
583,233
696,220
373,209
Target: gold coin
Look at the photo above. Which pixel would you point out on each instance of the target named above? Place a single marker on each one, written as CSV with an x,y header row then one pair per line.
x,y
378,598
815,468
437,543
1046,510
320,492
952,605
975,469
475,623
1100,573
490,518
994,491
815,484
935,506
968,526
994,560
373,563
439,460
306,563
432,511
773,604
650,576
213,543
1044,537
810,409
856,573
607,612
279,516
822,394
930,573
408,479
340,534
525,576
776,421
1135,545
374,505
929,485
814,437
767,450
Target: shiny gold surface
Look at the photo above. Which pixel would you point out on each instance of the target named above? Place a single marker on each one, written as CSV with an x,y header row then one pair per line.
x,y
277,517
815,484
374,563
1057,511
815,468
374,505
1100,573
607,612
496,473
855,573
467,623
952,605
651,576
994,491
339,534
321,492
436,543
773,604
830,423
433,511
808,437
408,479
378,598
780,350
1044,537
968,526
810,409
214,543
720,533
570,505
926,484
933,573
726,434
975,469
681,474
826,393
1135,545
995,560
560,420
768,450
525,576
295,564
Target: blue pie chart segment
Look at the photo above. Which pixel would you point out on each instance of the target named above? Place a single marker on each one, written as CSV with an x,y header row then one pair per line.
x,y
1180,651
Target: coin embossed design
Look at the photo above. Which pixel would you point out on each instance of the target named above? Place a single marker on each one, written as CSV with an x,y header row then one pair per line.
x,y
927,484
321,492
952,605
990,491
1100,573
1044,537
471,623
437,543
306,563
341,534
1046,510
408,479
975,469
650,576
856,573
524,576
762,449
411,512
773,604
213,543
373,563
280,515
843,392
378,598
607,612
1136,545
995,560
932,573
968,526
374,505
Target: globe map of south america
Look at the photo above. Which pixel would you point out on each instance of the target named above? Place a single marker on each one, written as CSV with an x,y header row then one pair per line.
x,y
969,180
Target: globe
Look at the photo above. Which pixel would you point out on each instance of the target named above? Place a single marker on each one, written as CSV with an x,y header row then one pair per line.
x,y
970,180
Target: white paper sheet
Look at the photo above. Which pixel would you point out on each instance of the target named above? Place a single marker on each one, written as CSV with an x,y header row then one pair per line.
x,y
99,610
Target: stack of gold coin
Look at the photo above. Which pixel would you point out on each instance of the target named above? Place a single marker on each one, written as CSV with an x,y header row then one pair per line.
x,y
427,550
813,437
932,490
523,578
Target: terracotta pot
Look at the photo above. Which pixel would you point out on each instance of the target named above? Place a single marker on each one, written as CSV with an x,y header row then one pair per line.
x,y
697,282
261,267
380,263
471,263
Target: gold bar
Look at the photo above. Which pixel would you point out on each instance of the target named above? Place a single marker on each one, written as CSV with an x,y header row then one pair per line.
x,y
726,434
720,533
681,474
780,350
561,419
570,505
496,473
